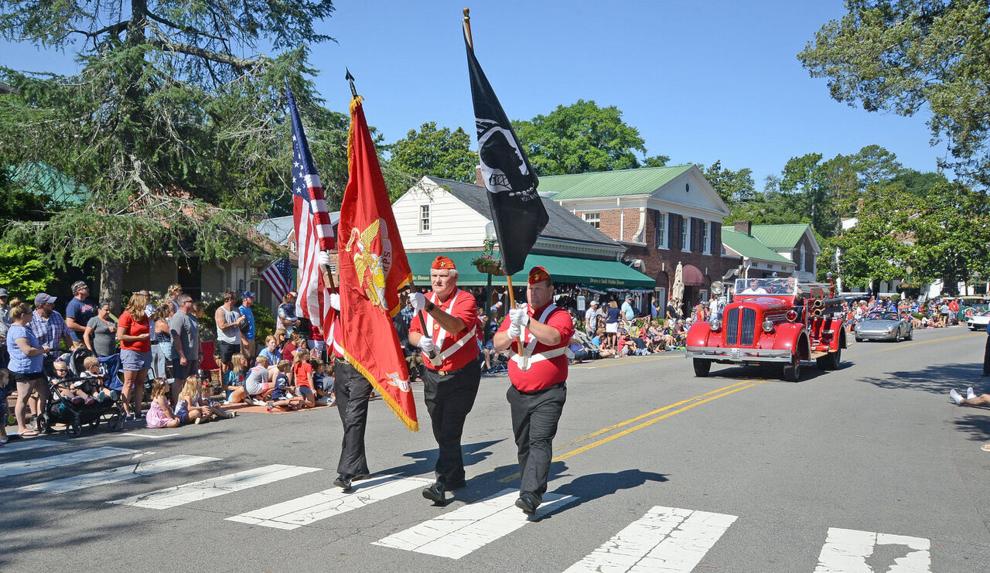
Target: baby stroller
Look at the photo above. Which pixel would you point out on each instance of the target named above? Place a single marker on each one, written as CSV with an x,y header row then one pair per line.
x,y
75,412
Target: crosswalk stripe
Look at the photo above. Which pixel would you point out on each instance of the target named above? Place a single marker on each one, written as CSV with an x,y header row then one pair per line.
x,y
847,550
471,527
118,474
68,459
667,539
206,489
329,503
28,445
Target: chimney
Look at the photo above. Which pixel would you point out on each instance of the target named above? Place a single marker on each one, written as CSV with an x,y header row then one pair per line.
x,y
744,227
479,179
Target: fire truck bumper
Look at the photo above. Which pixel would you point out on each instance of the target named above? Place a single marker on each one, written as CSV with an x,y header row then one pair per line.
x,y
722,354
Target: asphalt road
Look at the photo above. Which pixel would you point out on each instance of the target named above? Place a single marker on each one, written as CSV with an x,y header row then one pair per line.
x,y
867,468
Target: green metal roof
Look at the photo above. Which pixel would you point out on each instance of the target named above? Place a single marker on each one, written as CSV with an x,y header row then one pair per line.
x,y
780,236
586,272
748,246
43,180
641,181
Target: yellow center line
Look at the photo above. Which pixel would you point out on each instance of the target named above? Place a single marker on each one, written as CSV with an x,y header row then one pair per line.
x,y
601,363
900,346
623,423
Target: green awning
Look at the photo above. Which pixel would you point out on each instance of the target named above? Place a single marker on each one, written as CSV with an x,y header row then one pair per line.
x,y
566,270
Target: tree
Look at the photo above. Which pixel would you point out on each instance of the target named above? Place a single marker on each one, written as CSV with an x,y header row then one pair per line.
x,y
439,152
906,55
582,137
731,185
23,271
179,137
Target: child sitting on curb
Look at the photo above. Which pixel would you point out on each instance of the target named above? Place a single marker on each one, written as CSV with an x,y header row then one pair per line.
x,y
160,413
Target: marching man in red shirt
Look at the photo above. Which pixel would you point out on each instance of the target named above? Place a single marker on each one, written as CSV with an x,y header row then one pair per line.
x,y
448,337
536,335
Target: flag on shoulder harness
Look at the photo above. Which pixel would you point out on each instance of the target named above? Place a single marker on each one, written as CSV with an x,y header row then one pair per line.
x,y
311,222
278,277
373,269
517,210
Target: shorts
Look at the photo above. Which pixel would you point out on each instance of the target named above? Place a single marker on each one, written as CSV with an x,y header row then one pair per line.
x,y
183,417
134,361
611,327
27,377
304,391
228,350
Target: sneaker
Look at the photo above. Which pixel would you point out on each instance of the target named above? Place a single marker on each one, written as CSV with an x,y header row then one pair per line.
x,y
260,403
970,394
435,493
955,397
197,421
332,402
270,406
343,483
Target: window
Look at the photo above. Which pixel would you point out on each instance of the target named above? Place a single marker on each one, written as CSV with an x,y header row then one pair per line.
x,y
661,230
703,295
801,266
705,235
593,219
685,233
424,218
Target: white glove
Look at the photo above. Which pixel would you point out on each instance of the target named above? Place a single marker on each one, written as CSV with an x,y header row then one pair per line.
x,y
426,344
323,258
514,331
519,316
418,301
335,301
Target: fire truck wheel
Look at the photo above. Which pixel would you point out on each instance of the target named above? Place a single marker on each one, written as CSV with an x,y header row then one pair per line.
x,y
792,371
702,367
830,362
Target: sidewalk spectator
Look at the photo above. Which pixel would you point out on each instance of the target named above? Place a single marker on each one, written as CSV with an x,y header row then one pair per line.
x,y
612,325
591,317
256,383
627,309
248,330
172,296
160,413
79,310
228,322
184,330
26,365
49,326
134,334
287,313
271,351
4,357
233,381
316,343
100,336
302,378
161,349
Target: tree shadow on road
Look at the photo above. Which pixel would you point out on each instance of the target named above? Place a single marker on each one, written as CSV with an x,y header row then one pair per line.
x,y
976,425
934,379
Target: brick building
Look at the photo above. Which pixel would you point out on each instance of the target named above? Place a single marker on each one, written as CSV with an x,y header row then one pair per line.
x,y
663,215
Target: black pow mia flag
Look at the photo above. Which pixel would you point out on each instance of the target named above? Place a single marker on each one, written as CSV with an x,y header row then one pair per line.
x,y
517,210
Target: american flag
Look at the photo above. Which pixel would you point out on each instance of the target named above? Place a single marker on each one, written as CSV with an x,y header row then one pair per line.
x,y
278,277
312,224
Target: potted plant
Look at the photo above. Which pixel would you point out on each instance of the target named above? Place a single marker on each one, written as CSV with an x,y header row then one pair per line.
x,y
487,263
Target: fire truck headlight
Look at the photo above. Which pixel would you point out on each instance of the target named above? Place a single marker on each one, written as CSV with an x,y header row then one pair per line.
x,y
716,324
767,326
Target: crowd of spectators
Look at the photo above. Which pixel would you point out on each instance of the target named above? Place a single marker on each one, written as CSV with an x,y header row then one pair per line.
x,y
937,312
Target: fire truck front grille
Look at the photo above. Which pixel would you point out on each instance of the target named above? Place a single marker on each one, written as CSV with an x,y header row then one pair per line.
x,y
732,326
748,326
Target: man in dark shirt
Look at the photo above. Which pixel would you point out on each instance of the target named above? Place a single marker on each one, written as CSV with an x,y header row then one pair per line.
x,y
79,310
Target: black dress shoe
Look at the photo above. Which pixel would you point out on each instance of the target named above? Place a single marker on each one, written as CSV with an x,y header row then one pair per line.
x,y
528,503
344,483
435,493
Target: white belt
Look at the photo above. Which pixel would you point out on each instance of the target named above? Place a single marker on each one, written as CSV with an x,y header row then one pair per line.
x,y
439,358
525,363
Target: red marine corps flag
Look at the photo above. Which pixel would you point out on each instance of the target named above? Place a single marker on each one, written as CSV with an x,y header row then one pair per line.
x,y
373,268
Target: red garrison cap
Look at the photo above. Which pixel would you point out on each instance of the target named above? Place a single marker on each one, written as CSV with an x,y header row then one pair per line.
x,y
443,262
538,274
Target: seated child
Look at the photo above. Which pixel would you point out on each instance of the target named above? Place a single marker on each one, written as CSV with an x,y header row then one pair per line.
x,y
302,377
96,386
234,380
257,384
191,406
68,390
322,383
281,395
160,413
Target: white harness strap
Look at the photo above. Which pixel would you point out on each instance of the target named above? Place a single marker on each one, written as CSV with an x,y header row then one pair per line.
x,y
527,357
441,335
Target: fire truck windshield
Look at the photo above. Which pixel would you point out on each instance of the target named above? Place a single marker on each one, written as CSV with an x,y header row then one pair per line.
x,y
787,286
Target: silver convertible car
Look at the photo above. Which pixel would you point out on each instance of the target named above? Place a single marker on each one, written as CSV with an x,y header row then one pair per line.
x,y
884,326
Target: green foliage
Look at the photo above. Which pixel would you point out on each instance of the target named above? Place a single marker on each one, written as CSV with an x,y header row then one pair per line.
x,y
907,55
438,152
23,271
582,137
731,185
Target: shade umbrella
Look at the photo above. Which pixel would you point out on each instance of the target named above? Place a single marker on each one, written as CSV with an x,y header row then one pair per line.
x,y
677,291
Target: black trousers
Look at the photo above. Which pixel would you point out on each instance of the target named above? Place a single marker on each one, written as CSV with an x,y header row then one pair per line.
x,y
352,391
534,424
449,398
986,358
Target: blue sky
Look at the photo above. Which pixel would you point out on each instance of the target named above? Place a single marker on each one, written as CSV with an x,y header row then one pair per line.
x,y
701,80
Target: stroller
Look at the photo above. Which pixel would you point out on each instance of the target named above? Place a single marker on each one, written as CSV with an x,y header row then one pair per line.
x,y
75,412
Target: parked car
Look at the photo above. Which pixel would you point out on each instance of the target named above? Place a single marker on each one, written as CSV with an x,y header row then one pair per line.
x,y
884,326
978,321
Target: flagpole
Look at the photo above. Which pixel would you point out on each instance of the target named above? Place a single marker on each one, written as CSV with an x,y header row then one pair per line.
x,y
467,27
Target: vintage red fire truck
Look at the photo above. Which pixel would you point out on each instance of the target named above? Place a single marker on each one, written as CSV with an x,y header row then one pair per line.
x,y
771,320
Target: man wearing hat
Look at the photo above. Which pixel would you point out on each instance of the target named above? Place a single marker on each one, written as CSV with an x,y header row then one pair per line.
x,y
79,310
591,318
48,325
446,330
536,335
247,327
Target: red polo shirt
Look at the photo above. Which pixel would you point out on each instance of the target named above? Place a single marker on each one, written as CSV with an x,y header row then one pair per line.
x,y
460,305
544,373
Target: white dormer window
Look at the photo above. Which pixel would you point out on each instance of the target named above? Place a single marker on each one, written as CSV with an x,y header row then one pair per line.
x,y
593,219
686,234
424,219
